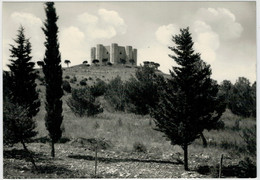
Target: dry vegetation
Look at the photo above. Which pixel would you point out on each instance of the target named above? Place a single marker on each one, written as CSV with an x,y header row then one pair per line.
x,y
129,147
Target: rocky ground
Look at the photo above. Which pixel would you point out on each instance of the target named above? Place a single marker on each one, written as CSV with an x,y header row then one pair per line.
x,y
75,159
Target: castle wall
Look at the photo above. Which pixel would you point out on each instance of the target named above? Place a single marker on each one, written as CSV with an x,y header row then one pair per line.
x,y
135,56
114,53
122,54
100,50
129,53
93,53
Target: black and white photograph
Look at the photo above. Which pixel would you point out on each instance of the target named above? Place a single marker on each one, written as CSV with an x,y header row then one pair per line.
x,y
129,89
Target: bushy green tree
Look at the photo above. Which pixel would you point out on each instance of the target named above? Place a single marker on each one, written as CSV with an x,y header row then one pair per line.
x,y
142,90
18,127
188,101
22,77
242,102
99,88
116,94
82,103
53,76
225,90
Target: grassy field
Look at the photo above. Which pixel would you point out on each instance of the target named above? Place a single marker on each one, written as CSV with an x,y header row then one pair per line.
x,y
129,147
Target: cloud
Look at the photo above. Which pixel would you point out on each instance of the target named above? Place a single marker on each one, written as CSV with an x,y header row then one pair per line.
x,y
156,53
32,30
164,33
72,45
222,20
26,18
104,25
206,41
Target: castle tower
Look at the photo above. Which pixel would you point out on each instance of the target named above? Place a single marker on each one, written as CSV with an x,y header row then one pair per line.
x,y
129,54
114,53
93,53
135,56
100,49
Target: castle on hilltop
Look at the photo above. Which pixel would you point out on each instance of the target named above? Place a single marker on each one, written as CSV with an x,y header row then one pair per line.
x,y
114,54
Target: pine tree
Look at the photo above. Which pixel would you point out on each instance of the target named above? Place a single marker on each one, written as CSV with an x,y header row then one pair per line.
x,y
22,78
20,98
53,77
188,101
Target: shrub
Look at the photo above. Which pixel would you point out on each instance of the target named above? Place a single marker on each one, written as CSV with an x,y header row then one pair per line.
x,y
116,94
66,86
99,88
249,136
247,168
83,82
82,102
67,77
120,123
139,147
74,79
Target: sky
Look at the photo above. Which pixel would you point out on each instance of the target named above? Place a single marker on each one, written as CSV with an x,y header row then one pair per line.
x,y
224,33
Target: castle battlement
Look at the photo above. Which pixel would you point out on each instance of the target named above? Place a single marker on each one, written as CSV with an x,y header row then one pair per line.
x,y
114,54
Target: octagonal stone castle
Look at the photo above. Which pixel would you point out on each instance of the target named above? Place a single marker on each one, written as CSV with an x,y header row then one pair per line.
x,y
114,54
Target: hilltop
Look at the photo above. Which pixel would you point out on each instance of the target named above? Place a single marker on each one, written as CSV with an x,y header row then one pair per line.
x,y
106,73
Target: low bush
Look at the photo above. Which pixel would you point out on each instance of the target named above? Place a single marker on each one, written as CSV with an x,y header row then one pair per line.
x,y
139,147
67,77
66,86
83,83
73,80
82,103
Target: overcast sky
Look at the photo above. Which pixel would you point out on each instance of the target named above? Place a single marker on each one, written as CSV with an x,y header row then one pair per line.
x,y
224,32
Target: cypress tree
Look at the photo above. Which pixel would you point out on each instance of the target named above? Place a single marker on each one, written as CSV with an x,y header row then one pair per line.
x,y
188,101
53,76
22,78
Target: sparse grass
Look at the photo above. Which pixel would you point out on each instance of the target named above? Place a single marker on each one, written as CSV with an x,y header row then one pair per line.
x,y
123,130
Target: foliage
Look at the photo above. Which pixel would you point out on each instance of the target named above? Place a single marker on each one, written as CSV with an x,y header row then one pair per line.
x,y
132,61
95,61
225,90
40,63
249,137
142,90
99,88
17,126
67,62
66,86
116,94
67,77
139,147
122,61
83,82
22,77
73,80
188,101
82,103
242,102
53,76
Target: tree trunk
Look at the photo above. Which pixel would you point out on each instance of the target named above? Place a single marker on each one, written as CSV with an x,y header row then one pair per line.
x,y
29,154
205,144
185,149
52,149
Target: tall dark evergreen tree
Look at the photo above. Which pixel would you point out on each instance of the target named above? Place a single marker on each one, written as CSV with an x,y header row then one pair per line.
x,y
188,101
21,83
53,76
20,100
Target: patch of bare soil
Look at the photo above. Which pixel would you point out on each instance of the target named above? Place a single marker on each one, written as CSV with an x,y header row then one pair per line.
x,y
76,159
